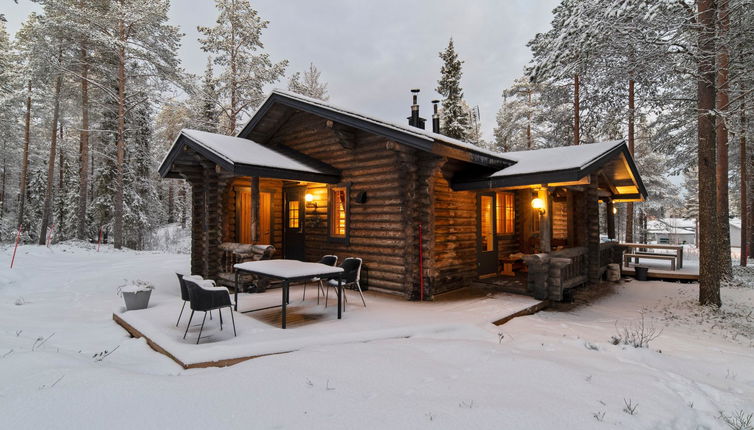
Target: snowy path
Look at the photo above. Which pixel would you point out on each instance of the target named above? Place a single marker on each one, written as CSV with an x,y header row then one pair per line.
x,y
551,370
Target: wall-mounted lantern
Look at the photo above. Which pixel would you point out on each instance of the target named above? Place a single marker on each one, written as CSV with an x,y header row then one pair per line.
x,y
539,205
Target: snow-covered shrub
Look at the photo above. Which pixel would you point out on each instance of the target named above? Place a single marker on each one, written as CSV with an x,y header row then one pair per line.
x,y
738,420
637,333
630,407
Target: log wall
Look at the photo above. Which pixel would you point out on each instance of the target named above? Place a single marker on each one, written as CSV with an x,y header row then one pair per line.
x,y
455,235
378,229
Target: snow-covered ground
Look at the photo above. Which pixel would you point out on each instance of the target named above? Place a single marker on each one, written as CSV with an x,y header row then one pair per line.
x,y
555,369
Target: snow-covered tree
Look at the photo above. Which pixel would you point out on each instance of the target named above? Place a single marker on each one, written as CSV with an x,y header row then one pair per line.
x,y
235,41
454,118
309,85
206,103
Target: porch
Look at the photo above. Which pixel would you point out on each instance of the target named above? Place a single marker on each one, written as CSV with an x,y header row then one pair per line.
x,y
312,325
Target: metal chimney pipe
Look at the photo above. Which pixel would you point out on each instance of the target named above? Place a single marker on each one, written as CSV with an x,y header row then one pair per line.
x,y
413,120
435,118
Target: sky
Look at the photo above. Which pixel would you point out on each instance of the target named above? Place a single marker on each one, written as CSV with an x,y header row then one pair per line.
x,y
372,53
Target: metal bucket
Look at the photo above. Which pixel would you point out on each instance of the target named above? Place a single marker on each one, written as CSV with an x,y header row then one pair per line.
x,y
137,300
641,272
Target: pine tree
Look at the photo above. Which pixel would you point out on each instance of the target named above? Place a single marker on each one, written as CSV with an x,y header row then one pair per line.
x,y
141,35
235,41
207,114
709,269
310,86
454,119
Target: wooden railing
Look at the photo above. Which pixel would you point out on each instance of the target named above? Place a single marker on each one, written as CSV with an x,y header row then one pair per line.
x,y
568,268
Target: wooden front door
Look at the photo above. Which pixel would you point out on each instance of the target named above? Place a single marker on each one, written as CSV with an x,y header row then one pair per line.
x,y
243,220
487,259
293,223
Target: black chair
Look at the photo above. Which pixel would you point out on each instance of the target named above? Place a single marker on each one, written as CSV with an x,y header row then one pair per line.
x,y
206,299
330,260
351,277
185,294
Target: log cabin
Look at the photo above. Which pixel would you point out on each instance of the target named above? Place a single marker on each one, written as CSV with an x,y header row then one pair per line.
x,y
426,213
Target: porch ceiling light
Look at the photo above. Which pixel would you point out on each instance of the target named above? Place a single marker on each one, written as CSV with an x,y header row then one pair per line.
x,y
309,197
539,205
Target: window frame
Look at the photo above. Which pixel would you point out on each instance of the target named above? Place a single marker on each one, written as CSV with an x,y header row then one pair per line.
x,y
347,210
501,213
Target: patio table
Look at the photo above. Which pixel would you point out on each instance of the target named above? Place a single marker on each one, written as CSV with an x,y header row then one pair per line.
x,y
289,271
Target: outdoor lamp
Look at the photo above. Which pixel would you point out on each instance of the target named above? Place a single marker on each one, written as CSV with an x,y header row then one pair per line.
x,y
615,210
309,198
538,204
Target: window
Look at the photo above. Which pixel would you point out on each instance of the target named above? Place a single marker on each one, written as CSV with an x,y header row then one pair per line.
x,y
243,216
506,213
338,213
487,235
293,214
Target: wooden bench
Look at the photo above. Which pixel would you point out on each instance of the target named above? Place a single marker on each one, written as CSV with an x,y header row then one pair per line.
x,y
672,258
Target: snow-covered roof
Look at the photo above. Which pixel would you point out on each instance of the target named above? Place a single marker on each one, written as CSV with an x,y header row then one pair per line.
x,y
244,156
403,133
560,164
671,225
555,159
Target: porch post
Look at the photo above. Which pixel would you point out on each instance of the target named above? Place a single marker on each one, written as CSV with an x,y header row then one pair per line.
x,y
610,208
545,221
254,209
593,230
197,227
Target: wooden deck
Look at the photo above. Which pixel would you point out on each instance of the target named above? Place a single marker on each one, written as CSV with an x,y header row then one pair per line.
x,y
507,284
661,270
309,324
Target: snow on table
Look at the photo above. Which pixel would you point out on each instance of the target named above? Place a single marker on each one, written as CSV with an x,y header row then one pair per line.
x,y
288,269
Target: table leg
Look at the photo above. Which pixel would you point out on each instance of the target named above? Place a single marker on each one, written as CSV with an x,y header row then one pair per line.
x,y
285,301
680,258
340,296
236,291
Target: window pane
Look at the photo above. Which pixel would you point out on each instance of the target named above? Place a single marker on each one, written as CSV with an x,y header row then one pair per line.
x,y
487,233
510,213
505,212
338,212
293,214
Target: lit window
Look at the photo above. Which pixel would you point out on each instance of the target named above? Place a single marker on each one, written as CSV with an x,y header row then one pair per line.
x,y
506,213
338,214
487,236
293,214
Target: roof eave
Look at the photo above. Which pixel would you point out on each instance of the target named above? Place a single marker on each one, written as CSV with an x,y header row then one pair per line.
x,y
426,144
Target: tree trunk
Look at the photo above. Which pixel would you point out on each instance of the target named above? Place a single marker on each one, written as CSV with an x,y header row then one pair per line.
x,y
4,178
61,178
576,111
529,143
171,201
83,147
709,273
631,143
743,161
51,162
721,136
121,140
24,179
